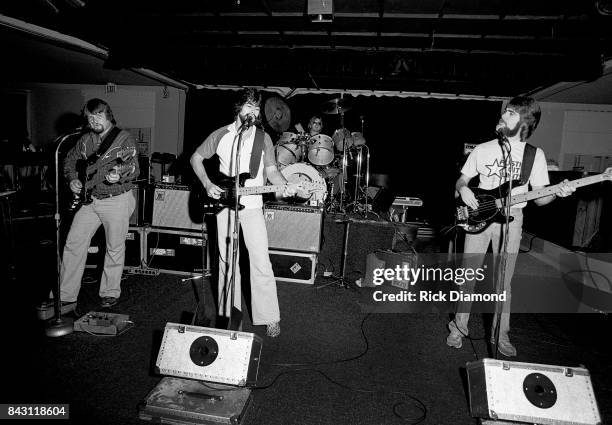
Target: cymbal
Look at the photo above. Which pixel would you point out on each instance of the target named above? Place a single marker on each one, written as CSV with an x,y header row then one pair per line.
x,y
335,106
277,114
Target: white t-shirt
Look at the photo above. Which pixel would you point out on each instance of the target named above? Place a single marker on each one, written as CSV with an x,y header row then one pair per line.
x,y
486,160
223,142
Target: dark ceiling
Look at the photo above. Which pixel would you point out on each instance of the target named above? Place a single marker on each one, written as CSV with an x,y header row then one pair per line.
x,y
473,47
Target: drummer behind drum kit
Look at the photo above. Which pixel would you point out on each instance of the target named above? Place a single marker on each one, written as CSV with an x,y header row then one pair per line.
x,y
323,159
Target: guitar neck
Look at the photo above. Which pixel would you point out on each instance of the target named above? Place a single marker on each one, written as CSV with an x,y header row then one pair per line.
x,y
551,190
256,190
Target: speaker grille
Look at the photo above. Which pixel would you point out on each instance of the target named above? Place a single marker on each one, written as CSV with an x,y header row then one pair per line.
x,y
294,228
171,208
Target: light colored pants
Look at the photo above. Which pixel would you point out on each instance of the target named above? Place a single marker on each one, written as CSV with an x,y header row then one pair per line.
x,y
478,244
114,214
264,299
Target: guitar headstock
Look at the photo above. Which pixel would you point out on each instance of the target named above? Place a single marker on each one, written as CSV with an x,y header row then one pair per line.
x,y
313,186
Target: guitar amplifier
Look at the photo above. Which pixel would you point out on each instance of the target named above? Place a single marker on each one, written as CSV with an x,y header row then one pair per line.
x,y
294,228
172,208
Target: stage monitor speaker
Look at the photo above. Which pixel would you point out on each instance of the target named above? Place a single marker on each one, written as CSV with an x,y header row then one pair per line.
x,y
206,354
294,227
171,208
531,393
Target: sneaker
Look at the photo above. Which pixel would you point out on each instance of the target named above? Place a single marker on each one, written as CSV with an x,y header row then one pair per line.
x,y
505,348
454,338
273,329
108,302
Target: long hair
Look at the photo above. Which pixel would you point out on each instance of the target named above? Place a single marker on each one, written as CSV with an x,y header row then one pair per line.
x,y
247,95
315,117
94,106
530,113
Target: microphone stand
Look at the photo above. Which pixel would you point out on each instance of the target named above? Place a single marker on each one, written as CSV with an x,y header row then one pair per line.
x,y
59,326
236,230
505,231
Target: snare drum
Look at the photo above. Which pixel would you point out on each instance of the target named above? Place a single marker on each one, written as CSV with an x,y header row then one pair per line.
x,y
302,172
288,150
320,149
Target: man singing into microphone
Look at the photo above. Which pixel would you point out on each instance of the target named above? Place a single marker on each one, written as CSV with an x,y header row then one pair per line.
x,y
491,163
257,158
111,155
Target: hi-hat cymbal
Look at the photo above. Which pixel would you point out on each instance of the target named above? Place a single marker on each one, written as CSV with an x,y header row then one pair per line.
x,y
335,106
277,114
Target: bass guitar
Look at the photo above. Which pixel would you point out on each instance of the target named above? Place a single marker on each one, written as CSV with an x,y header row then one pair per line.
x,y
228,196
91,175
492,203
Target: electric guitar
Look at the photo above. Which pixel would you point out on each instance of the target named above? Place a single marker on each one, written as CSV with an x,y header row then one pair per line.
x,y
492,203
228,196
93,174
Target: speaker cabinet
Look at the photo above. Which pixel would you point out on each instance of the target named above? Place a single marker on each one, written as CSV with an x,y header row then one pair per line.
x,y
172,208
531,393
176,251
294,228
206,354
294,266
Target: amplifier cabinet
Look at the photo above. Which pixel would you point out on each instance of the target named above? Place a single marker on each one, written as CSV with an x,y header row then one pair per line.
x,y
175,251
172,208
531,393
134,252
299,267
294,228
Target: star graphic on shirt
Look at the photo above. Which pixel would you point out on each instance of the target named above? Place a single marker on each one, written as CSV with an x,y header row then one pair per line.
x,y
495,169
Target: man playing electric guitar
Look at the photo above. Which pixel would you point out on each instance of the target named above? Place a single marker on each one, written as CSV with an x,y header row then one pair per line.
x,y
112,204
257,158
496,162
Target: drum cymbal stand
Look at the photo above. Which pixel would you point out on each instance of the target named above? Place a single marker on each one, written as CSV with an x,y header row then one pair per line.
x,y
344,164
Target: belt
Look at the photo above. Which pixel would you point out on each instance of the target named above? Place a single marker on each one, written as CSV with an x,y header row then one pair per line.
x,y
106,195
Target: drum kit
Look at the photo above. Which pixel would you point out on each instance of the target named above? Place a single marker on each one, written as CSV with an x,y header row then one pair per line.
x,y
323,159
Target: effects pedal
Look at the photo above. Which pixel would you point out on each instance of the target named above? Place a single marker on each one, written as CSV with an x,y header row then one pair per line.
x,y
103,323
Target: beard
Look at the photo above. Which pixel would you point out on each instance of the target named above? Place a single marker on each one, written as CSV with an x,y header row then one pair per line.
x,y
507,132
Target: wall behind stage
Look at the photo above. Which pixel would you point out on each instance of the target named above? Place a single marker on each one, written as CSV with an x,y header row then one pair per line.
x,y
417,142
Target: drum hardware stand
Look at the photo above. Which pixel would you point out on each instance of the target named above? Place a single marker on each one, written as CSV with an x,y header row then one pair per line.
x,y
59,326
344,164
361,192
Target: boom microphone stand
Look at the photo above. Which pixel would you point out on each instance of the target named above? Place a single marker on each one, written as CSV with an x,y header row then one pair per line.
x,y
505,147
59,326
236,230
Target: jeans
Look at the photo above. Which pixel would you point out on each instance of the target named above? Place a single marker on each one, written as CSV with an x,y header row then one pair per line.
x,y
478,244
264,302
114,214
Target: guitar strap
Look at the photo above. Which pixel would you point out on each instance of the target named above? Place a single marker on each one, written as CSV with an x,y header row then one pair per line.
x,y
527,165
258,146
106,143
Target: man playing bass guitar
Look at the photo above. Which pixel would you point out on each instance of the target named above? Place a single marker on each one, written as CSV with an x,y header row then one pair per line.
x,y
109,202
497,162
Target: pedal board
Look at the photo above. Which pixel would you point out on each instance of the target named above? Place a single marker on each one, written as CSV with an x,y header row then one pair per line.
x,y
103,323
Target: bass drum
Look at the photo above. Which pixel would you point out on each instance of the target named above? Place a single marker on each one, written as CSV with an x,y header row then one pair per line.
x,y
302,172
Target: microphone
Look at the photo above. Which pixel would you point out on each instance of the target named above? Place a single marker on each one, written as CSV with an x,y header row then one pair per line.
x,y
248,121
501,138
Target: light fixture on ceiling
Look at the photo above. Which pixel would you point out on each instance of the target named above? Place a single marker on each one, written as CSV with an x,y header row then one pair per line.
x,y
75,3
320,10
